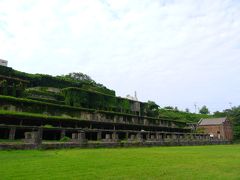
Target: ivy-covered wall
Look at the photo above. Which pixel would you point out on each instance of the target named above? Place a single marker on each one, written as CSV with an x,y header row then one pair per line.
x,y
13,104
31,93
71,93
15,89
89,99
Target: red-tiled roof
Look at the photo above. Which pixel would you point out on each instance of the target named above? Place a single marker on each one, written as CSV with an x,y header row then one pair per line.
x,y
212,121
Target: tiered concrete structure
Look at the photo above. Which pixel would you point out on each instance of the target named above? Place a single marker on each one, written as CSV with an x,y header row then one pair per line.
x,y
85,115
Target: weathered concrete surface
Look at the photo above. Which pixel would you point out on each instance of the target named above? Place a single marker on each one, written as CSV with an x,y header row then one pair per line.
x,y
33,137
79,137
97,144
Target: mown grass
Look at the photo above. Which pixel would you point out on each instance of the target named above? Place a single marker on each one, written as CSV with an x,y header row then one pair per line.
x,y
197,162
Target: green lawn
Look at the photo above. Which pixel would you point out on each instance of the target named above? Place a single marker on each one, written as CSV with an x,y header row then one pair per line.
x,y
195,162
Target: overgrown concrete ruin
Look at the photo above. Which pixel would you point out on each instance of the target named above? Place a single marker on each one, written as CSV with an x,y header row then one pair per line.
x,y
41,110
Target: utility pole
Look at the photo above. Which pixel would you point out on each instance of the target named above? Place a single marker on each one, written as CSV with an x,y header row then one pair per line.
x,y
195,105
135,95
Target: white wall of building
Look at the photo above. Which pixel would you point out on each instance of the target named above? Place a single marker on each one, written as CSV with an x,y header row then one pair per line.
x,y
3,62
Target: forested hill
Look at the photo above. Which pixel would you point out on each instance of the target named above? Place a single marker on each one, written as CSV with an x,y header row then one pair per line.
x,y
181,115
78,80
175,113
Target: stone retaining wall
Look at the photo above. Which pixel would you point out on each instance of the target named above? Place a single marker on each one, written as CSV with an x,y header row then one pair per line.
x,y
15,146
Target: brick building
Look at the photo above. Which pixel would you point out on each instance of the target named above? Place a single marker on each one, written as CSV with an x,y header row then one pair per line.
x,y
218,128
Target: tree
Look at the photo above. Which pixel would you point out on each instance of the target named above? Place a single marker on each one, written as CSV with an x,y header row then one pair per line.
x,y
78,76
4,87
169,108
204,110
152,109
234,116
220,114
187,110
176,109
152,105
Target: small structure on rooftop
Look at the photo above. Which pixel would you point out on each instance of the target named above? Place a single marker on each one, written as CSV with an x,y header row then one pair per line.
x,y
217,128
133,98
3,62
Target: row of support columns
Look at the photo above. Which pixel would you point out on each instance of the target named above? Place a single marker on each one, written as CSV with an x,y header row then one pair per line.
x,y
104,136
155,137
12,133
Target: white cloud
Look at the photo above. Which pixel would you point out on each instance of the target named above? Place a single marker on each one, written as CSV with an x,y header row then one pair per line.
x,y
173,52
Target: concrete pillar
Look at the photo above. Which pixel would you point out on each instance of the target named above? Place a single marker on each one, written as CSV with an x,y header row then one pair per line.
x,y
157,136
189,136
203,137
139,137
177,137
121,119
148,136
168,137
12,132
32,137
132,137
163,137
174,136
108,136
195,137
115,136
63,134
79,137
200,137
152,137
74,136
160,137
127,134
115,118
82,136
40,133
206,137
145,122
181,136
99,136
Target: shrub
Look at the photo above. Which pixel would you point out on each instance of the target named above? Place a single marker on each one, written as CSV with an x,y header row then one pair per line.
x,y
48,126
65,139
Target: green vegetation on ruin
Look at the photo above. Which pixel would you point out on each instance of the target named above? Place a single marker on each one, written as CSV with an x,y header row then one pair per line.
x,y
66,95
28,105
36,117
197,162
86,98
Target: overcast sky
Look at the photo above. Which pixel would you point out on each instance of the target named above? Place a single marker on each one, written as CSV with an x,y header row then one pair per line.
x,y
172,52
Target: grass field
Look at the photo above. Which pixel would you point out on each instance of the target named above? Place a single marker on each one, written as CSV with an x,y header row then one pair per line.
x,y
195,162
